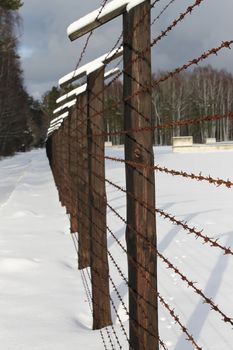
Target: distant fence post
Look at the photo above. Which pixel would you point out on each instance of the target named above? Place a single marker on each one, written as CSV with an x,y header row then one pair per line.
x,y
140,183
62,165
97,202
84,224
66,165
73,170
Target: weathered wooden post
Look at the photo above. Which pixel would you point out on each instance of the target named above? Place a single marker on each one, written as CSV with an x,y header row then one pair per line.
x,y
140,184
98,202
84,224
92,229
138,147
73,170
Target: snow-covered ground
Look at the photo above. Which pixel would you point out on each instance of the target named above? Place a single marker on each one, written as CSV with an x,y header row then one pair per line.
x,y
42,300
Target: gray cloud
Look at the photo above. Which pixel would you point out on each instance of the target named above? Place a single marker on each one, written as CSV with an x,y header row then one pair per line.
x,y
49,54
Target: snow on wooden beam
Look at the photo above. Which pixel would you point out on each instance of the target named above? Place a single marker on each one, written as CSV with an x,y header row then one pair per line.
x,y
100,16
54,127
52,130
60,117
91,67
79,90
96,18
65,106
83,88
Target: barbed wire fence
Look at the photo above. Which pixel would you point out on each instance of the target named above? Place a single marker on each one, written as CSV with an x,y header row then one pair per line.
x,y
76,151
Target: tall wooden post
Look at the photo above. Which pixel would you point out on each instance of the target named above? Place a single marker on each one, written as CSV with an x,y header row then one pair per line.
x,y
84,225
97,202
140,183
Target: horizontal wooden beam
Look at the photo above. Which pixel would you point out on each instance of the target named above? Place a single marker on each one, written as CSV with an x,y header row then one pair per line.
x,y
90,67
96,18
65,106
100,16
60,117
79,90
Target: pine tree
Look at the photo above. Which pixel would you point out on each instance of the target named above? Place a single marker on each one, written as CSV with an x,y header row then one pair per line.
x,y
11,4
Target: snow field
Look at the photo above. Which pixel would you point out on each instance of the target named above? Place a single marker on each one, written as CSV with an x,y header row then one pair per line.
x,y
42,300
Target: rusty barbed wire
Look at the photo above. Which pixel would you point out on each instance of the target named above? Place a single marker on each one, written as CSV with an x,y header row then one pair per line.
x,y
191,230
190,283
188,11
218,310
162,11
213,51
170,265
165,304
89,37
113,329
171,74
106,328
118,39
126,281
123,277
90,298
217,182
164,33
172,124
86,288
116,265
177,320
173,219
119,319
141,297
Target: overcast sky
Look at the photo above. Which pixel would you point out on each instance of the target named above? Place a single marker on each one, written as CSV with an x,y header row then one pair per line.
x,y
47,53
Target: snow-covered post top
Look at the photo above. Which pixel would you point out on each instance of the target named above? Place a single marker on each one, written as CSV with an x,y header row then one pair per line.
x,y
60,117
65,106
79,90
100,16
90,67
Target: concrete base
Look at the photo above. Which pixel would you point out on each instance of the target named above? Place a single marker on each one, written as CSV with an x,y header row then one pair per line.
x,y
218,146
180,141
210,140
108,144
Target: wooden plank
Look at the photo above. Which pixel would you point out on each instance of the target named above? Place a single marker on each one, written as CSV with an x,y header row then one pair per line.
x,y
140,183
97,203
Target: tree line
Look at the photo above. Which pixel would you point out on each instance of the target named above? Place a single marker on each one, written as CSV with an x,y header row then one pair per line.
x,y
205,91
22,122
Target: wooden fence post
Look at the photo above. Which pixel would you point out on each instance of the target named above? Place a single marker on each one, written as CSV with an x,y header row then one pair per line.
x,y
66,164
84,225
73,171
97,202
140,183
62,165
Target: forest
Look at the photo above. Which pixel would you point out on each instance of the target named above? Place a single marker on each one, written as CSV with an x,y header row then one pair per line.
x,y
24,121
205,91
